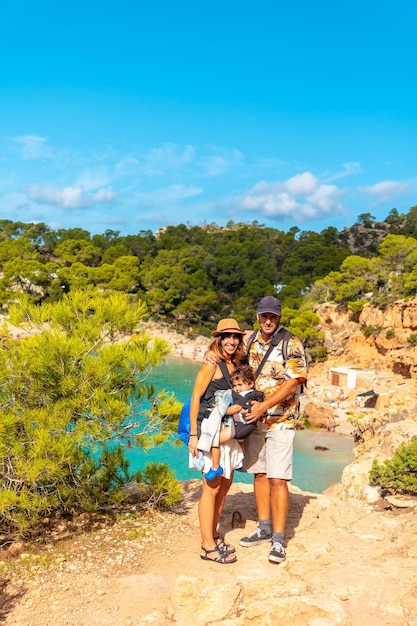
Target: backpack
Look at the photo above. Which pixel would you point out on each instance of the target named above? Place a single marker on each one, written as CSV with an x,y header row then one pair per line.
x,y
184,423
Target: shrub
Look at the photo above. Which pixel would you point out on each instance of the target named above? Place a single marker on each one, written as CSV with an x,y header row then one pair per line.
x,y
355,418
67,398
318,354
371,330
356,306
412,339
398,474
158,485
390,333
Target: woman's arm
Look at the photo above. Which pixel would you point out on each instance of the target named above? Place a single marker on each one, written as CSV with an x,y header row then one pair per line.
x,y
202,381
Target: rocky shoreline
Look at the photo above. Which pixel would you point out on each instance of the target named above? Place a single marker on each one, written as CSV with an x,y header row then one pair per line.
x,y
348,563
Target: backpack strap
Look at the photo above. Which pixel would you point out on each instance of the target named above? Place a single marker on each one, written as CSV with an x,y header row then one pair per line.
x,y
225,372
250,342
283,335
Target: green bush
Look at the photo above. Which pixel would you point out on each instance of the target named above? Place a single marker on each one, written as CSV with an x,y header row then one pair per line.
x,y
70,399
371,330
398,474
412,339
158,485
318,354
356,306
390,333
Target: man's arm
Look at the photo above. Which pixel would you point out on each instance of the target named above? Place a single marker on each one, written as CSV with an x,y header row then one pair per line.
x,y
258,409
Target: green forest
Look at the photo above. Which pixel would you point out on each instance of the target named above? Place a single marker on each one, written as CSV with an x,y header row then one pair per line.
x,y
68,391
191,276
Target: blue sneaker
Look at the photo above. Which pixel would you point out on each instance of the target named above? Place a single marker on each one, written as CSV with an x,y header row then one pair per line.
x,y
212,474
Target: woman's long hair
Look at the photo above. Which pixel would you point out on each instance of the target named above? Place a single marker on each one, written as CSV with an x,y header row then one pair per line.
x,y
238,357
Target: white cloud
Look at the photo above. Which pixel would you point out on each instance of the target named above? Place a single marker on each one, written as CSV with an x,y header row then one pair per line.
x,y
102,196
127,165
215,165
386,190
301,184
299,198
33,146
70,197
220,162
349,169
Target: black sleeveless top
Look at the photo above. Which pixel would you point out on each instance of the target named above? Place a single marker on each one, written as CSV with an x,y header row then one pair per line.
x,y
218,384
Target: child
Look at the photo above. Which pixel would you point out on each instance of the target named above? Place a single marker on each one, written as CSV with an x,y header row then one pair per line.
x,y
243,385
331,424
243,381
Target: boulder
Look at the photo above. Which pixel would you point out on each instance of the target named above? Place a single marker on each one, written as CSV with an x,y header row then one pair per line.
x,y
377,437
317,415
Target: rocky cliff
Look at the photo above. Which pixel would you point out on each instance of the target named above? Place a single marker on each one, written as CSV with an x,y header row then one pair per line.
x,y
385,339
383,343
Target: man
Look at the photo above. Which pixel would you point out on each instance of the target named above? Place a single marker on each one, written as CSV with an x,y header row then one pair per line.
x,y
269,449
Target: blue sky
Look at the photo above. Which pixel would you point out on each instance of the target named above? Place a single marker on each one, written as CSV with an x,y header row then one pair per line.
x,y
135,115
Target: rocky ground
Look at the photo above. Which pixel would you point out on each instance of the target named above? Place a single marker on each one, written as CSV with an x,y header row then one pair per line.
x,y
348,563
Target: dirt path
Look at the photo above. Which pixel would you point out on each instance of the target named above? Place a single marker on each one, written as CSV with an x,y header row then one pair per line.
x,y
347,563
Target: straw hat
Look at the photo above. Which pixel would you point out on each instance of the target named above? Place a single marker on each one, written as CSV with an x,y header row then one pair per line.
x,y
228,325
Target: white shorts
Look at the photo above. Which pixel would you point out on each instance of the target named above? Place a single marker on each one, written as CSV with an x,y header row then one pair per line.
x,y
269,452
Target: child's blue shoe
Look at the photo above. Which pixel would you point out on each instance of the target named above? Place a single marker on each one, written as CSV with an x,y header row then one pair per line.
x,y
212,474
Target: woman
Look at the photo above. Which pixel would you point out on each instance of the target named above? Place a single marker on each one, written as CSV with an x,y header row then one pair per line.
x,y
228,346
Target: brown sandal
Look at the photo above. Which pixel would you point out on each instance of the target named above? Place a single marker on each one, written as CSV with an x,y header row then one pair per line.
x,y
221,557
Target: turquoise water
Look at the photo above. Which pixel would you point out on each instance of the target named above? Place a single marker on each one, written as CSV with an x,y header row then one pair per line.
x,y
314,470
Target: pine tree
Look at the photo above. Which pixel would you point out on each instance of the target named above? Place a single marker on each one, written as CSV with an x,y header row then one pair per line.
x,y
69,394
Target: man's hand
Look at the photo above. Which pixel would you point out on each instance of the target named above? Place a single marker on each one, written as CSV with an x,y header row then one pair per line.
x,y
258,409
284,391
211,358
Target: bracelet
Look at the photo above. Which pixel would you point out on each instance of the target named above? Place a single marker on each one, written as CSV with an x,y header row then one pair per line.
x,y
193,435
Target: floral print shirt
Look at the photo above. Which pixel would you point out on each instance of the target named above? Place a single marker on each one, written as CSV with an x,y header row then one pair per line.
x,y
274,373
